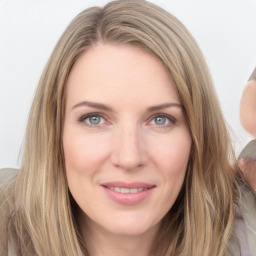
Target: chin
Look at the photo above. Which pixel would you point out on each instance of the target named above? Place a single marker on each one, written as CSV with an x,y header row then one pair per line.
x,y
131,226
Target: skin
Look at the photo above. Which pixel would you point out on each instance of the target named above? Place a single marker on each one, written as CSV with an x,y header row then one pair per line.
x,y
136,138
248,120
248,108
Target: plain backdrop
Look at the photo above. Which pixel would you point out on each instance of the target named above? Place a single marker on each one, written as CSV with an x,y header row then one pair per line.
x,y
29,29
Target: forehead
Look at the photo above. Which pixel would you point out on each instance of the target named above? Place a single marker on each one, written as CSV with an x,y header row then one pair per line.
x,y
108,72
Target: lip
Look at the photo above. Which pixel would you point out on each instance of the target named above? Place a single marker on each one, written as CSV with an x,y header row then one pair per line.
x,y
128,198
128,185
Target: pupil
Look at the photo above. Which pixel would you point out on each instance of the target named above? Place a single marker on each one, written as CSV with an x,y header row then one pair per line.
x,y
94,119
160,120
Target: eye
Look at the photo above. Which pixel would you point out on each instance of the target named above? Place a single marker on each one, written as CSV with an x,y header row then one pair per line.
x,y
162,120
93,119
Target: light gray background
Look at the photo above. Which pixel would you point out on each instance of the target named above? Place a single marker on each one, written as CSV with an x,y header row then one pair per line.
x,y
29,29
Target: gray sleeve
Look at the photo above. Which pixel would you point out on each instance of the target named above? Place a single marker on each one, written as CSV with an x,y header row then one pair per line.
x,y
248,211
249,151
253,75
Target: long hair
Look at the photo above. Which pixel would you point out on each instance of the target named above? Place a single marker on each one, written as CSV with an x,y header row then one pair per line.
x,y
42,213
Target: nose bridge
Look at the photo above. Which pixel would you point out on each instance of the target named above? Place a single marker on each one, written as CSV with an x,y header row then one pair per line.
x,y
129,148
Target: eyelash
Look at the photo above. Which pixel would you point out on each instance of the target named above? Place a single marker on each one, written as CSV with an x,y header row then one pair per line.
x,y
84,117
171,119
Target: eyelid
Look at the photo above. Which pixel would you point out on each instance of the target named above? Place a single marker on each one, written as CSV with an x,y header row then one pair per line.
x,y
172,119
85,116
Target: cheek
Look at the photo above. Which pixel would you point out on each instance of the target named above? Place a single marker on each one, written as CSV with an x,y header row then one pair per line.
x,y
74,156
74,152
82,151
173,160
83,158
172,153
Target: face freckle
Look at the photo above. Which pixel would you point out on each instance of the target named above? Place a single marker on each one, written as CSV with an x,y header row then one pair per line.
x,y
126,140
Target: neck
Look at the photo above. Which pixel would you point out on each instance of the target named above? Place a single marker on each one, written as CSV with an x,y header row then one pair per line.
x,y
100,242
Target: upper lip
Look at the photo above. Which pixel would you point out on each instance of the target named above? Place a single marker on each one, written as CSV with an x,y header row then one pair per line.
x,y
128,185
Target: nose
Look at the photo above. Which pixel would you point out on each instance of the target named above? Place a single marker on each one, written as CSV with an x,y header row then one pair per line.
x,y
129,149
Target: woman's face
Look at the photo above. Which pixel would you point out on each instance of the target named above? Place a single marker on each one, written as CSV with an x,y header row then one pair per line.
x,y
126,141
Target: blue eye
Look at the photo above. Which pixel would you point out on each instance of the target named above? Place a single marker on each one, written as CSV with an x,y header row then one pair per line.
x,y
92,119
163,120
160,120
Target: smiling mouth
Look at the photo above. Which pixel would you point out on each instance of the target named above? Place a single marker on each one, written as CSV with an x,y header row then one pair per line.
x,y
128,193
127,190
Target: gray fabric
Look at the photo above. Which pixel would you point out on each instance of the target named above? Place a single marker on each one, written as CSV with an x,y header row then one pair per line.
x,y
7,174
253,75
248,211
249,151
241,249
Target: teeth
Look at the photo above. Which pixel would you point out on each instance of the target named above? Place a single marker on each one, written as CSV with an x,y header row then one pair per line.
x,y
126,190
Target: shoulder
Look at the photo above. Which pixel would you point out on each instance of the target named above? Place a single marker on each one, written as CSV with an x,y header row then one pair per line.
x,y
247,206
7,180
7,174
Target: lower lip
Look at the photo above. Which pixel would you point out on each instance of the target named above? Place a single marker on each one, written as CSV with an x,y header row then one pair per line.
x,y
128,198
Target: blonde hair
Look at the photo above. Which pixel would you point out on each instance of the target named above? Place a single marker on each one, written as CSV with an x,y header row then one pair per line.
x,y
41,216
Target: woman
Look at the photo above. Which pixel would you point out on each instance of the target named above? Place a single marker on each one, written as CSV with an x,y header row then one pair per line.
x,y
126,149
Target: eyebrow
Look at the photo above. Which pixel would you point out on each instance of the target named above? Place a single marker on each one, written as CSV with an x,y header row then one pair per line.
x,y
163,106
92,105
105,107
